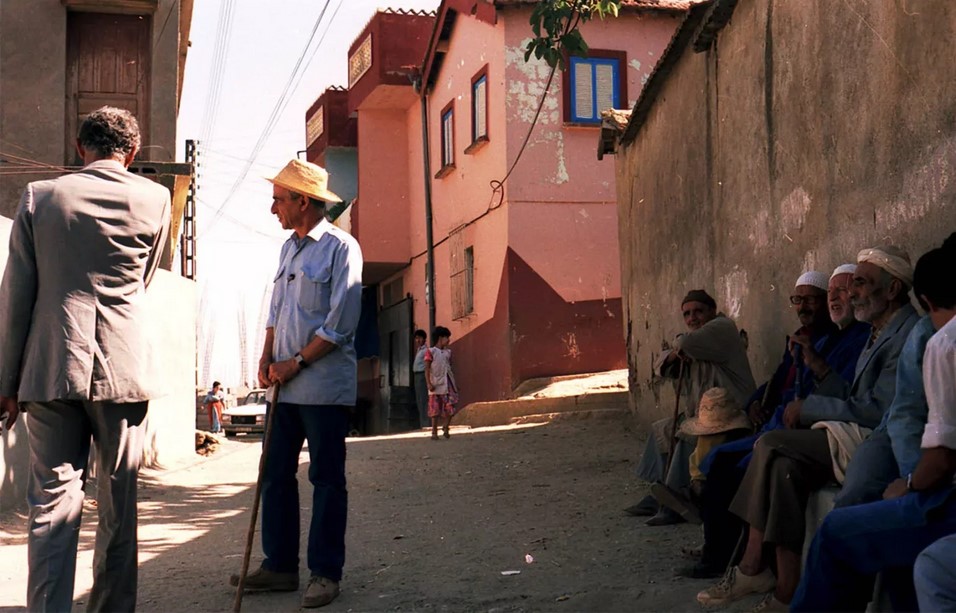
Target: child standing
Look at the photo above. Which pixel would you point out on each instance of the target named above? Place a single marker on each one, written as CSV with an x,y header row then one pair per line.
x,y
442,394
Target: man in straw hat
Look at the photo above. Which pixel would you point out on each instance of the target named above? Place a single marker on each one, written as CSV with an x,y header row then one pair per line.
x,y
855,543
309,350
710,354
789,464
830,335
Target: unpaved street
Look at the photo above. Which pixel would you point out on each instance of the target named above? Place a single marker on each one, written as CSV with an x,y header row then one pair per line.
x,y
432,526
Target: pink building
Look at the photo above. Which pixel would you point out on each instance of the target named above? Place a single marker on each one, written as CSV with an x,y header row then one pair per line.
x,y
527,276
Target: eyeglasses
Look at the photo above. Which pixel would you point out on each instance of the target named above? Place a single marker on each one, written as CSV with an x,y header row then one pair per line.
x,y
807,300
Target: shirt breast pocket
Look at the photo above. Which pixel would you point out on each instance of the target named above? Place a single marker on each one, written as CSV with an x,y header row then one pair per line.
x,y
315,291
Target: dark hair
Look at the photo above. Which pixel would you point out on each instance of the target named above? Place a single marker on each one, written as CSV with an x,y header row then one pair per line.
x,y
421,334
108,131
440,331
216,383
933,277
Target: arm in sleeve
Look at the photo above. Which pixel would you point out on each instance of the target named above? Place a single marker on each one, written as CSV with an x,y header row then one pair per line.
x,y
939,379
159,241
18,293
865,408
906,417
711,342
346,301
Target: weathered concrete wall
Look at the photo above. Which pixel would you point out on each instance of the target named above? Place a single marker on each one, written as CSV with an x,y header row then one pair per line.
x,y
33,85
811,130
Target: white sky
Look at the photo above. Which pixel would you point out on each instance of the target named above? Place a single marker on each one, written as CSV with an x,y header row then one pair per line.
x,y
238,254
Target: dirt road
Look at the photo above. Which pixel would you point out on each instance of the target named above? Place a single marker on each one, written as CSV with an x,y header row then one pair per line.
x,y
432,526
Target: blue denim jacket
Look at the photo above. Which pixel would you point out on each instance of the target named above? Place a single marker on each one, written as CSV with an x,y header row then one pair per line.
x,y
905,420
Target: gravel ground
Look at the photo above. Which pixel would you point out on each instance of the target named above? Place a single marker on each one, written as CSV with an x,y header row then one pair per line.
x,y
433,526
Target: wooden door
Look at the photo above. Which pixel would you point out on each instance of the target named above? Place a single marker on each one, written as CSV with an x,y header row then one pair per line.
x,y
395,361
108,63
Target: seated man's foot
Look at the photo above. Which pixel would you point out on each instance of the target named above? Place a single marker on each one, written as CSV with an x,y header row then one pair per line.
x,y
735,585
263,580
677,502
321,591
770,604
665,517
647,507
701,570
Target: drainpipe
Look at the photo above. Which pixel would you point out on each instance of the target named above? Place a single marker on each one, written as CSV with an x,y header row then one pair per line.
x,y
429,239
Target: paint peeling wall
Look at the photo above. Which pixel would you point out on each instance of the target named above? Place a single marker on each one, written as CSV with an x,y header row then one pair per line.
x,y
811,130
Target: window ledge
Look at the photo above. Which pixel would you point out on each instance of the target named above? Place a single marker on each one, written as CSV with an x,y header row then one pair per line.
x,y
444,171
469,315
480,142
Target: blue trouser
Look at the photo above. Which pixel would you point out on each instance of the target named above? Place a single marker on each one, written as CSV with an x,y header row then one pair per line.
x,y
935,576
855,543
872,468
325,428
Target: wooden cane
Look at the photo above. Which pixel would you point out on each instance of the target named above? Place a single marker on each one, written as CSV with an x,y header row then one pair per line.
x,y
680,386
250,535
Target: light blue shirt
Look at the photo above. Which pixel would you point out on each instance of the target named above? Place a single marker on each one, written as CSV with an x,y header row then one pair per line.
x,y
318,292
906,418
419,364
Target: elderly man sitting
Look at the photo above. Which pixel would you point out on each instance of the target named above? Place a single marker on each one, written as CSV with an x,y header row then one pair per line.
x,y
789,464
710,354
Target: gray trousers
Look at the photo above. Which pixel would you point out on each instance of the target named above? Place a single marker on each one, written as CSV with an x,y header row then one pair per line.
x,y
421,400
60,433
787,465
654,457
872,468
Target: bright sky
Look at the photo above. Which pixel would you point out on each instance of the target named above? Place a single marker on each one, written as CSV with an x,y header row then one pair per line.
x,y
231,89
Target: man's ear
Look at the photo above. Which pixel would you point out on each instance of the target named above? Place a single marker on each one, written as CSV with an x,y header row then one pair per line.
x,y
128,159
80,150
895,289
930,307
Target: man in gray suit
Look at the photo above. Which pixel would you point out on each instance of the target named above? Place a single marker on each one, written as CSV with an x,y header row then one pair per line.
x,y
74,356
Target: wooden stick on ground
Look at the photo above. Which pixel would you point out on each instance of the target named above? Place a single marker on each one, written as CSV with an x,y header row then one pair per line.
x,y
680,388
250,535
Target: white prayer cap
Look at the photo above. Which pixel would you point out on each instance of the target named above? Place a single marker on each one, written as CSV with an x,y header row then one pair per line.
x,y
844,269
813,278
890,258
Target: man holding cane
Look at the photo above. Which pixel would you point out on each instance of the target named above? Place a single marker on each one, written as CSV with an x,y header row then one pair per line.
x,y
309,350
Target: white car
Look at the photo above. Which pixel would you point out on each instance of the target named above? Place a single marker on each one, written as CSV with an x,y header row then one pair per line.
x,y
248,417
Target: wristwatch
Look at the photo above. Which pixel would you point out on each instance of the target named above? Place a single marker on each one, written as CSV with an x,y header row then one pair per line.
x,y
909,483
300,360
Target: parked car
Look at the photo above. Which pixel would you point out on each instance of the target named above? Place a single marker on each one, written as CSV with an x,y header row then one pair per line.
x,y
248,417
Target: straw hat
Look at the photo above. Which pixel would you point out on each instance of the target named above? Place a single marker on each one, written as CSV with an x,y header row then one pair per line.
x,y
717,413
305,178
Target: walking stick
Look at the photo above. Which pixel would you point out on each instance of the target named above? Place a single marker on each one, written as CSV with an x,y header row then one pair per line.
x,y
680,386
250,535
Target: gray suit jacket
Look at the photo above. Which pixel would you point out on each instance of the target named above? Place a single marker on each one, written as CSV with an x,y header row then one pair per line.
x,y
869,396
83,248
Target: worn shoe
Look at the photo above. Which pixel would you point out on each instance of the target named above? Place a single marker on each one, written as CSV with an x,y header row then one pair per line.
x,y
665,517
700,570
677,502
770,604
735,585
647,507
321,591
694,553
262,580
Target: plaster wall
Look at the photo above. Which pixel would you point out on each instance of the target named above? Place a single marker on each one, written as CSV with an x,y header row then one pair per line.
x,y
812,130
383,210
33,87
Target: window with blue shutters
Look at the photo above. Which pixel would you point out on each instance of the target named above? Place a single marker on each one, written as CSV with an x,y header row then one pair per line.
x,y
594,84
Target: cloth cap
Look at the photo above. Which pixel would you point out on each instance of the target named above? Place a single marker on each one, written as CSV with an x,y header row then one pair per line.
x,y
305,178
718,412
844,269
699,295
890,258
813,278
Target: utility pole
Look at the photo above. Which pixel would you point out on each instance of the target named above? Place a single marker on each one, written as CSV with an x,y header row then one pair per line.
x,y
187,241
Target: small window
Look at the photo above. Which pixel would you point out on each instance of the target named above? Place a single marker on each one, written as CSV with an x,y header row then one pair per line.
x,y
479,109
594,84
462,277
447,140
469,298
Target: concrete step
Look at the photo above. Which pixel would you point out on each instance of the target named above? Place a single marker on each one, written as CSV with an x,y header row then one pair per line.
x,y
544,418
501,412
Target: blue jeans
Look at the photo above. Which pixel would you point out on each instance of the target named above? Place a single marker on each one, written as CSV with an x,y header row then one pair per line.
x,y
935,576
872,468
325,428
855,543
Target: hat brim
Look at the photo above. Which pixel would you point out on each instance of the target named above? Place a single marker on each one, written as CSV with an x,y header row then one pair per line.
x,y
324,195
693,427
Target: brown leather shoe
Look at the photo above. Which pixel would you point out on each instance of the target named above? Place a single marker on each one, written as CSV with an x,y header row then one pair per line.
x,y
321,591
262,580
